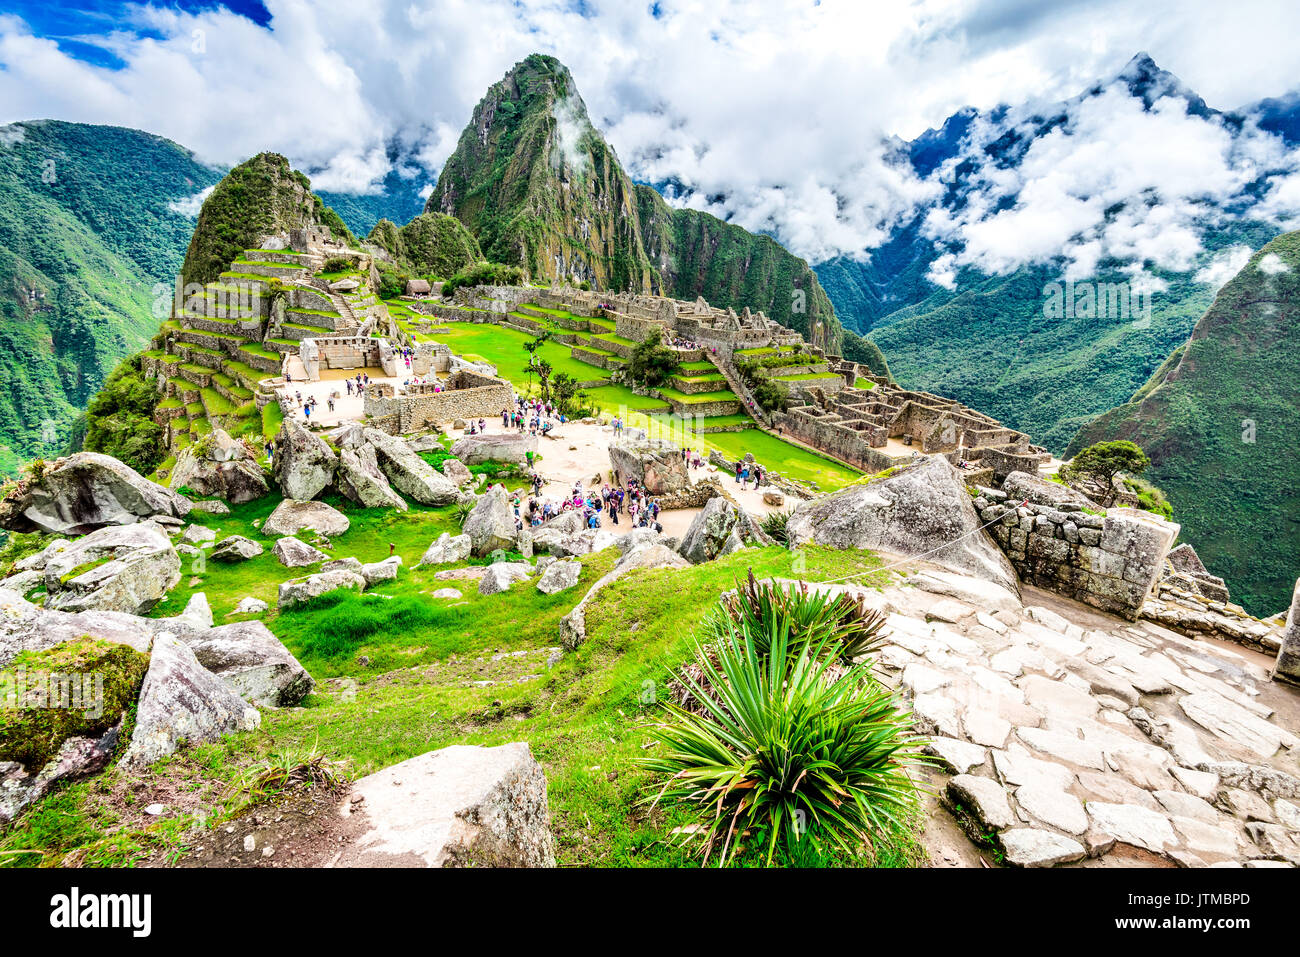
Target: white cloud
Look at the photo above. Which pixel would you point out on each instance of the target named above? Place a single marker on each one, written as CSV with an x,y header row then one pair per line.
x,y
780,115
191,205
1225,264
1271,264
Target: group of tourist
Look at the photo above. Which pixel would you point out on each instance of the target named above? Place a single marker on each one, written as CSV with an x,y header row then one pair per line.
x,y
691,458
611,501
530,415
357,384
681,342
745,471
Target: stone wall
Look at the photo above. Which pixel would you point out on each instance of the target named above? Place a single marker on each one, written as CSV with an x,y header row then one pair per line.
x,y
1110,562
468,395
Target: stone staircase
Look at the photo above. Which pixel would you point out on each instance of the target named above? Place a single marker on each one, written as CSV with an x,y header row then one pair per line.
x,y
737,385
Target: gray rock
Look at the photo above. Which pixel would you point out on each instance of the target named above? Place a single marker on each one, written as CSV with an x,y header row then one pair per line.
x,y
181,701
197,612
359,479
1288,655
583,543
501,575
720,529
490,525
255,663
920,510
1231,722
294,553
959,757
126,568
210,506
235,548
1033,847
291,517
984,799
657,466
77,758
198,535
409,473
456,807
299,590
384,571
221,466
28,627
457,472
445,593
1130,824
349,564
86,491
250,606
1053,807
303,464
1021,486
447,550
559,576
494,447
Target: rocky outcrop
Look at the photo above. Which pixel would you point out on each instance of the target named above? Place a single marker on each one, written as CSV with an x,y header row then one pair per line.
x,y
409,473
490,525
508,447
126,568
1021,486
294,553
298,590
501,575
581,543
28,627
573,626
447,550
249,658
78,757
460,806
1288,656
86,491
221,466
658,466
303,464
359,479
922,510
720,529
291,517
235,548
181,701
558,577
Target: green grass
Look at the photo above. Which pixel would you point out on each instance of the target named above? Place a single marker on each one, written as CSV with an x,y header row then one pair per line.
x,y
413,667
774,454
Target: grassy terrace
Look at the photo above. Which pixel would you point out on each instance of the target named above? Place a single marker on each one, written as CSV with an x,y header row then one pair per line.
x,y
503,348
725,395
424,685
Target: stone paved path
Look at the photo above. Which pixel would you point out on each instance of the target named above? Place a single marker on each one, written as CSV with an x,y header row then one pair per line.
x,y
1069,737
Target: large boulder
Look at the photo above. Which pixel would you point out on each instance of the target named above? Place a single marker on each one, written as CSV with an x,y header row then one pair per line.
x,y
235,548
1021,486
658,466
557,529
409,473
126,568
294,553
922,510
221,466
385,571
298,590
359,479
291,517
28,627
720,529
501,575
182,701
497,447
447,550
582,543
86,491
457,807
457,472
1288,655
255,663
559,576
490,525
303,464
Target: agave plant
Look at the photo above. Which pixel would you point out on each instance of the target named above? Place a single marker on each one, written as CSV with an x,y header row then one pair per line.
x,y
811,617
783,750
774,524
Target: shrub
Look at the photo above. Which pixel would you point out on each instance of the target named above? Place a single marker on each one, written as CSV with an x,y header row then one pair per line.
x,y
652,363
774,524
338,264
789,749
483,274
1103,461
119,419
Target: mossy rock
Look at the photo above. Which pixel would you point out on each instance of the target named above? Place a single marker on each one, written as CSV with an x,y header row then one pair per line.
x,y
31,734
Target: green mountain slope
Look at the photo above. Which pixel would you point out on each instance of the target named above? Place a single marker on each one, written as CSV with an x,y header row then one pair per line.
x,y
993,345
1220,422
86,231
539,187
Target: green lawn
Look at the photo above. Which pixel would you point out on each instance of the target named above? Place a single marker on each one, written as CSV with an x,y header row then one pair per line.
x,y
504,348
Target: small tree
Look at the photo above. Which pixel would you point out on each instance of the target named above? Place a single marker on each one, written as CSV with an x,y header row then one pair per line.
x,y
652,362
544,376
563,389
1103,461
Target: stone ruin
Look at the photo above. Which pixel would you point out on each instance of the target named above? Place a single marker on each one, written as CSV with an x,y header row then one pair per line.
x,y
465,394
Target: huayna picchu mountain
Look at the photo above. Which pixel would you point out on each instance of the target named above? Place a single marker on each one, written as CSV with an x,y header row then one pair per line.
x,y
539,187
1219,420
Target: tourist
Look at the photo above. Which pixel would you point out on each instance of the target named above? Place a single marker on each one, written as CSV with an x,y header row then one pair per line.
x,y
739,467
482,426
